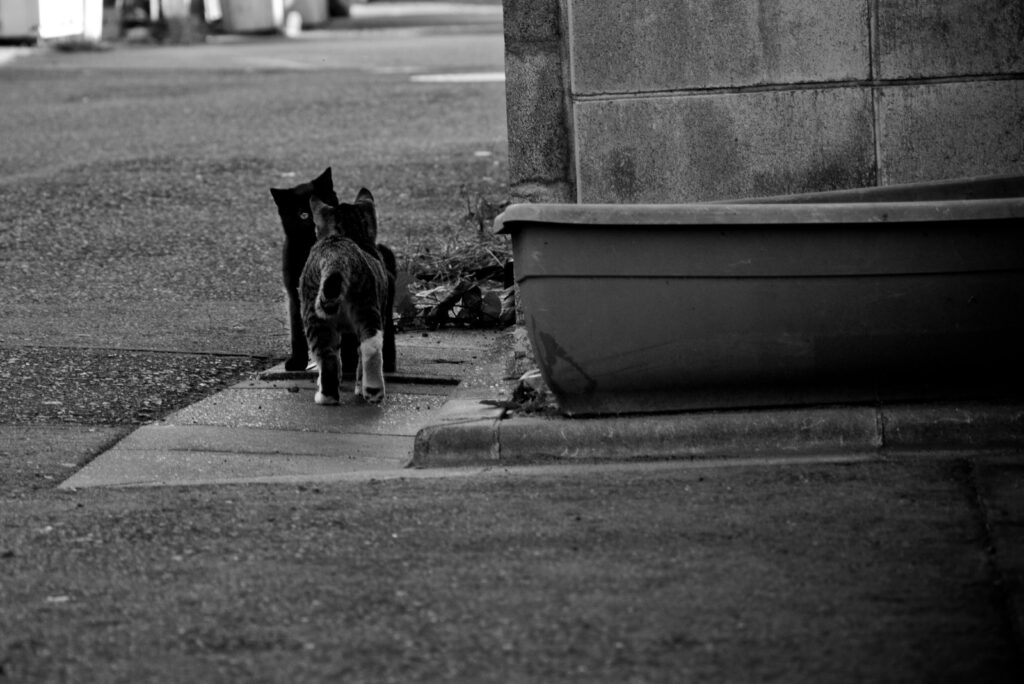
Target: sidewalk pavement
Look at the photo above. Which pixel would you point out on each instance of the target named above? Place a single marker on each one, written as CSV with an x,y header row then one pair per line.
x,y
443,418
268,428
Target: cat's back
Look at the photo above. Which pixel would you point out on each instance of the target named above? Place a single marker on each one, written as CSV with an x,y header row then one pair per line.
x,y
338,253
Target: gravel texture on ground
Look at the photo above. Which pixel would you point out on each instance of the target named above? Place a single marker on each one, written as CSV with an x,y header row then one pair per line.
x,y
36,458
705,574
134,205
108,387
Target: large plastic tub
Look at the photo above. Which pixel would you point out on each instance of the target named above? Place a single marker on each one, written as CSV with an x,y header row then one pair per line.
x,y
896,292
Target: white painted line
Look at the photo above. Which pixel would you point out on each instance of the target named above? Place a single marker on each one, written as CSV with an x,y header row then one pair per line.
x,y
276,63
405,9
468,77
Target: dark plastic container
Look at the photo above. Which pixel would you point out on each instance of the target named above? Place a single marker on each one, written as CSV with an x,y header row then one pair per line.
x,y
897,292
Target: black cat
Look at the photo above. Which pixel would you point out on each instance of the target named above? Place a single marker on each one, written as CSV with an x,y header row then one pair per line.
x,y
299,236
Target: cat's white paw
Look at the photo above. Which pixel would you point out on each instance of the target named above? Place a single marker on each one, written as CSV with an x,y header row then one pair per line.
x,y
325,400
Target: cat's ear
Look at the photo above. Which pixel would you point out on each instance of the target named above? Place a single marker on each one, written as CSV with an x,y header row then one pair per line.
x,y
368,220
323,185
278,194
323,217
368,210
364,196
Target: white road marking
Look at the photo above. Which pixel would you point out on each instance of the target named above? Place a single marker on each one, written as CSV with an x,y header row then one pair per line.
x,y
465,77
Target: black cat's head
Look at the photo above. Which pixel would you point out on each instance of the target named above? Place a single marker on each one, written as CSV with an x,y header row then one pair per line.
x,y
356,221
293,204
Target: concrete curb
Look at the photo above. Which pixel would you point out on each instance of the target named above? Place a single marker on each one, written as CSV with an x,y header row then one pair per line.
x,y
704,435
757,433
457,444
954,427
475,433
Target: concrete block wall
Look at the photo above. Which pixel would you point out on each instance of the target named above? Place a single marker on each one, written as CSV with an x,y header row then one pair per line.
x,y
693,100
538,101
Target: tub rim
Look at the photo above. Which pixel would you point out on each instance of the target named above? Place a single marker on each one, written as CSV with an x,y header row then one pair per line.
x,y
971,198
694,214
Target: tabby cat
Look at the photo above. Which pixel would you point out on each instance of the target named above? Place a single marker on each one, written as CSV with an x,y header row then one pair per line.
x,y
299,236
344,288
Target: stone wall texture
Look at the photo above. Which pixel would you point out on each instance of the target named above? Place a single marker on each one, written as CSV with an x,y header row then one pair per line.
x,y
693,100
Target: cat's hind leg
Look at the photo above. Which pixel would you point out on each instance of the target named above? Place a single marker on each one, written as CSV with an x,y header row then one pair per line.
x,y
391,270
349,352
368,323
328,381
370,371
300,353
323,342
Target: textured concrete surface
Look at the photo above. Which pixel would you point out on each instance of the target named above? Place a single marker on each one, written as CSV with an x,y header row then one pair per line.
x,y
268,429
949,38
962,426
536,116
944,130
680,149
35,457
1000,486
244,434
803,572
532,21
536,85
688,101
660,45
774,434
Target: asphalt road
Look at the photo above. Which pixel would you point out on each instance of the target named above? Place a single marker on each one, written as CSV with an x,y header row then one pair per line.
x,y
809,573
134,204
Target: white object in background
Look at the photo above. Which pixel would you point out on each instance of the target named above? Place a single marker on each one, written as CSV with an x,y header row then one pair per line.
x,y
247,16
48,19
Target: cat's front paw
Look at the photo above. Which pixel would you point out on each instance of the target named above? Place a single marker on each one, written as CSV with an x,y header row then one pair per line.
x,y
325,399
